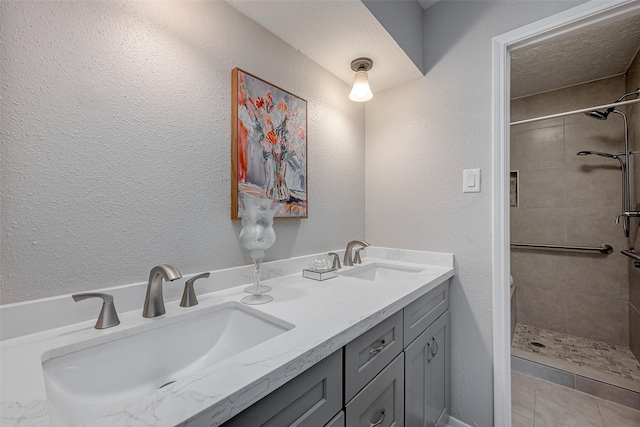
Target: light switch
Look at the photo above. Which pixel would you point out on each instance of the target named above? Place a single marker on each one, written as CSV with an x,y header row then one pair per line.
x,y
471,181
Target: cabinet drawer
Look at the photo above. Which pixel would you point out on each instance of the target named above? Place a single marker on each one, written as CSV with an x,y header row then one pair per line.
x,y
381,402
311,399
366,355
424,311
337,421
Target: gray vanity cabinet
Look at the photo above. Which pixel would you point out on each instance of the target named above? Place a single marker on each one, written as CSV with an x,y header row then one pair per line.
x,y
381,402
427,375
367,355
337,421
395,374
311,399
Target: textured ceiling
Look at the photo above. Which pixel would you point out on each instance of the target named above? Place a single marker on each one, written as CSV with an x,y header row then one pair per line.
x,y
332,34
575,58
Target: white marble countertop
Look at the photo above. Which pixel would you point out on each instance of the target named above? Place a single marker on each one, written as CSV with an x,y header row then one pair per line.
x,y
327,315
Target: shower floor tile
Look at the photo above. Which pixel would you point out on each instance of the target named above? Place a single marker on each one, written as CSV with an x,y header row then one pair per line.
x,y
613,360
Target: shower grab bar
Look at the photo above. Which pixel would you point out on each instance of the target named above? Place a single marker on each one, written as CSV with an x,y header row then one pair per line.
x,y
603,249
630,255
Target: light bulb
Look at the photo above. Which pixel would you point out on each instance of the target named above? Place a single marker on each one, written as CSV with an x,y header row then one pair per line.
x,y
361,91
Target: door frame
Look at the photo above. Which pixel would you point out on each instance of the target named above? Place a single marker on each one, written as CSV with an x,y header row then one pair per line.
x,y
575,19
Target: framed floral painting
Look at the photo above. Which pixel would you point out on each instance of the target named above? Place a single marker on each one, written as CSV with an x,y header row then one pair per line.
x,y
268,146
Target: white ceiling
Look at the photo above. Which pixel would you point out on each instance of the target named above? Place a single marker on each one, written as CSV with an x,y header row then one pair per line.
x,y
591,54
334,32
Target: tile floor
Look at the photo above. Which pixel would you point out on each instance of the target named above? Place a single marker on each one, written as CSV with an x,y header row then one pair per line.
x,y
610,359
539,403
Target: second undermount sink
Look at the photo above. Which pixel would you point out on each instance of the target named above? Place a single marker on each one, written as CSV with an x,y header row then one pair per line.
x,y
381,272
84,380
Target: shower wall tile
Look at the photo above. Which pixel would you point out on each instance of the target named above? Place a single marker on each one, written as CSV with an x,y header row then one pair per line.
x,y
633,82
538,148
602,319
578,293
539,269
635,67
634,331
538,225
595,226
543,188
525,127
598,275
594,135
594,186
542,308
634,273
543,104
634,283
591,94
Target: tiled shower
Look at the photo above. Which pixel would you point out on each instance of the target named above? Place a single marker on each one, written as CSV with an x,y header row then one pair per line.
x,y
583,307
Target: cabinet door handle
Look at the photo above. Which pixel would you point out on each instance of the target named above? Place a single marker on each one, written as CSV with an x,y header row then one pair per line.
x,y
429,353
379,422
378,349
435,344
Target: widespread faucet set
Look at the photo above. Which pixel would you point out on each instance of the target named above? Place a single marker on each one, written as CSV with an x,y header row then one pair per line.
x,y
154,301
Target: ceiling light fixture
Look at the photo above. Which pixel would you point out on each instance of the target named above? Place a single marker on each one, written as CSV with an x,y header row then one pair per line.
x,y
361,91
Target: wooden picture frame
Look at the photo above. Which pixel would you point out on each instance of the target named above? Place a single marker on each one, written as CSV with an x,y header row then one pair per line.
x,y
268,146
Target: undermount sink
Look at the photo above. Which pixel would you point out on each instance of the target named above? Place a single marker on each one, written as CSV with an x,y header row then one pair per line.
x,y
381,272
84,380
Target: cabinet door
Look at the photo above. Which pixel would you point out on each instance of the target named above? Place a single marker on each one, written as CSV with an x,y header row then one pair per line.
x,y
309,400
417,410
380,403
439,366
337,421
427,375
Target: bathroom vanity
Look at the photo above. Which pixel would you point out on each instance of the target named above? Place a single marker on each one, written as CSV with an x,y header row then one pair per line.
x,y
369,347
407,351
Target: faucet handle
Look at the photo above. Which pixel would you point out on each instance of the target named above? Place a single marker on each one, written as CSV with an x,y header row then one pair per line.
x,y
336,260
356,258
108,316
189,295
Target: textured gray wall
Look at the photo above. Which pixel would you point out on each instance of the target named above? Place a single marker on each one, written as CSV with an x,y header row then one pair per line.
x,y
115,126
403,21
419,139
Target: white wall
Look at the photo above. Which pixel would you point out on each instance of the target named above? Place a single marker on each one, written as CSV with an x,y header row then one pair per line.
x,y
419,139
403,21
116,143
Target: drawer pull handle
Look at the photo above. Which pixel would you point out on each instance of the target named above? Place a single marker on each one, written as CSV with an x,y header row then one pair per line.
x,y
379,422
435,344
378,349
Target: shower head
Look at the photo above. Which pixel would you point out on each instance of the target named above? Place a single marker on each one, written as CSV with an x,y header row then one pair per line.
x,y
600,115
597,153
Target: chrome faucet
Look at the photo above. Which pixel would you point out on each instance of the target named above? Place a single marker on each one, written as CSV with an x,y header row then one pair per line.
x,y
348,256
154,302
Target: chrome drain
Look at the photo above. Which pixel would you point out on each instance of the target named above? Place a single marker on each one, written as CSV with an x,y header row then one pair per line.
x,y
537,344
166,384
